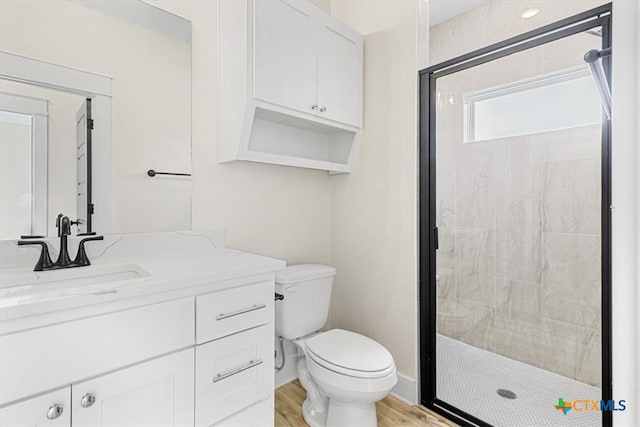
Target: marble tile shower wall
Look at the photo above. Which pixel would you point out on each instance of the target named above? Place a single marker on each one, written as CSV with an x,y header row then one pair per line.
x,y
519,261
519,217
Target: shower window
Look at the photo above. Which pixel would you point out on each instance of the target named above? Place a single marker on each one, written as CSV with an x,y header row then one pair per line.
x,y
544,103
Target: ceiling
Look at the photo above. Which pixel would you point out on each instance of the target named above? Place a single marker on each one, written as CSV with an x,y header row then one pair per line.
x,y
441,10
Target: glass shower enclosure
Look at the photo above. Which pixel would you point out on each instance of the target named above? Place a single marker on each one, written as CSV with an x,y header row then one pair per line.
x,y
514,211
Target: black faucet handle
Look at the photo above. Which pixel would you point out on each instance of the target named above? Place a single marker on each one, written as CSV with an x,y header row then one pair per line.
x,y
81,258
45,258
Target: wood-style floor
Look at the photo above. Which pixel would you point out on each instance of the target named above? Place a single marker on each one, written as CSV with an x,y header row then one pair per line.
x,y
391,411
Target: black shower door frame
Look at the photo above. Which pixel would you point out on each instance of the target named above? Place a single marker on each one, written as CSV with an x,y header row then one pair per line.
x,y
428,233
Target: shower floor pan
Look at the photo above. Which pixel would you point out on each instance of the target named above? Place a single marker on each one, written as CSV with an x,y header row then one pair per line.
x,y
469,377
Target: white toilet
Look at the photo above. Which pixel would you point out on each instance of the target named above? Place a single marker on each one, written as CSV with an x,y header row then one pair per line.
x,y
344,373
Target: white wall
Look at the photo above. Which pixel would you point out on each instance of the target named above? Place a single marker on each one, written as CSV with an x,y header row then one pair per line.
x,y
626,212
374,236
151,108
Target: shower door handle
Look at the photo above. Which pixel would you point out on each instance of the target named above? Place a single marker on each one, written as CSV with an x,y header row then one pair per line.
x,y
435,237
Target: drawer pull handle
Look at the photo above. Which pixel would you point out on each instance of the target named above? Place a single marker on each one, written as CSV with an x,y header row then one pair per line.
x,y
251,364
254,307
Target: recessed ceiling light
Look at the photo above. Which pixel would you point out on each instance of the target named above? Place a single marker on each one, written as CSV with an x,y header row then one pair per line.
x,y
529,13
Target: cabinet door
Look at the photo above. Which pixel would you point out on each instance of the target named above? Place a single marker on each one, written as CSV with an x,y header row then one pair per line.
x,y
284,58
154,393
339,73
52,409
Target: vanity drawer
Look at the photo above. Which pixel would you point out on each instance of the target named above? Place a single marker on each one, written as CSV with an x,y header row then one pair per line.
x,y
223,313
233,373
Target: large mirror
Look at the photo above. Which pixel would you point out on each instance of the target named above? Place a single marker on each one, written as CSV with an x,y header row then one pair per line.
x,y
93,95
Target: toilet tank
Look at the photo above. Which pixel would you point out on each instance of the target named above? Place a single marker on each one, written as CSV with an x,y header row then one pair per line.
x,y
307,293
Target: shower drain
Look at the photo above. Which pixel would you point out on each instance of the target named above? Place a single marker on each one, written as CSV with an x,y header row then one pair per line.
x,y
507,394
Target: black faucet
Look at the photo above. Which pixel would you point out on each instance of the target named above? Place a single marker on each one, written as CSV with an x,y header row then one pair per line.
x,y
63,223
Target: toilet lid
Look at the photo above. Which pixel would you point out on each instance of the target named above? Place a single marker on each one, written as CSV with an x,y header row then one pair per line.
x,y
350,353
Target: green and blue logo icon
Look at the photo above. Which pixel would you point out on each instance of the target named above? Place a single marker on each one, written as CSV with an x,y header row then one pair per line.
x,y
563,406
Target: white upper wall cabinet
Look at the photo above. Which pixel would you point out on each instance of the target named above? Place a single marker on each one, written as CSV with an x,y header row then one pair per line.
x,y
289,85
339,73
284,62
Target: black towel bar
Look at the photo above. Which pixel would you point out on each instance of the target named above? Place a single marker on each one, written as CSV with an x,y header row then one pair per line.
x,y
153,173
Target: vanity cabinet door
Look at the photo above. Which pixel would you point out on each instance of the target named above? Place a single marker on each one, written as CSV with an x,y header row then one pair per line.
x,y
154,393
51,409
284,54
339,73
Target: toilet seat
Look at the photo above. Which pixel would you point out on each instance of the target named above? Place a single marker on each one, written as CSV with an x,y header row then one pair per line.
x,y
351,354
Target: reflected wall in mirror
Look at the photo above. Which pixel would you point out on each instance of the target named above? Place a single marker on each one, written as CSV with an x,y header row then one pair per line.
x,y
125,65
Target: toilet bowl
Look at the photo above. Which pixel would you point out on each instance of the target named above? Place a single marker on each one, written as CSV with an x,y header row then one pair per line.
x,y
344,373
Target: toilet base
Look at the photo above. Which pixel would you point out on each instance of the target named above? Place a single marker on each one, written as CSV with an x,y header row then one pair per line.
x,y
311,416
344,414
321,410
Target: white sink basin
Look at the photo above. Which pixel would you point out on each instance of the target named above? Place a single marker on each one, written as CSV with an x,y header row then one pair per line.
x,y
90,280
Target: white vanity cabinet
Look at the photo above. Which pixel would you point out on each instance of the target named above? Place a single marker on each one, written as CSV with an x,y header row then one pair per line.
x,y
50,409
203,358
307,61
289,85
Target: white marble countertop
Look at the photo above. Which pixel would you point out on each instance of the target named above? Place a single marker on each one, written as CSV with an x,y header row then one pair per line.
x,y
168,266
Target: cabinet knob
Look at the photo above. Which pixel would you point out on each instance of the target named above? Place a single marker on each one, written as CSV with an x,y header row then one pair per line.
x,y
323,109
54,411
314,107
87,400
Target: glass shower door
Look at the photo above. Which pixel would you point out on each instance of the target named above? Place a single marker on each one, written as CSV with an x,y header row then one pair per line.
x,y
518,210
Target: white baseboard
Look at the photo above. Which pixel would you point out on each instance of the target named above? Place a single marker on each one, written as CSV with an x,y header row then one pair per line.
x,y
406,390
